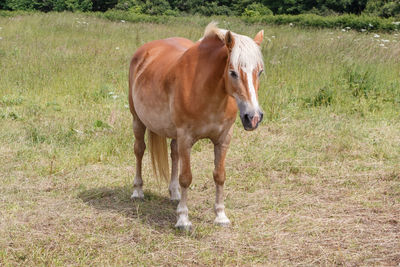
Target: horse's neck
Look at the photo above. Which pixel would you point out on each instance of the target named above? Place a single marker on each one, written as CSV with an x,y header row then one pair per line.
x,y
212,62
197,80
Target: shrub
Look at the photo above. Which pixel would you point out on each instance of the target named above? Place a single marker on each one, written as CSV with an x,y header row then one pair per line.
x,y
311,20
256,9
383,8
48,5
209,9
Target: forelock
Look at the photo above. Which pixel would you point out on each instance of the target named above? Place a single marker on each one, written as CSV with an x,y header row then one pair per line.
x,y
246,54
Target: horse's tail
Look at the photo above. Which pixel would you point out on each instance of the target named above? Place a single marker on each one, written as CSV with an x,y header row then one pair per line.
x,y
159,155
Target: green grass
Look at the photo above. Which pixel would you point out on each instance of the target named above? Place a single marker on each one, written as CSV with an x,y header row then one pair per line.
x,y
317,184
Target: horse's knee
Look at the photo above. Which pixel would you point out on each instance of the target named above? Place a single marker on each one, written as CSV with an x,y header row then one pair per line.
x,y
185,179
219,177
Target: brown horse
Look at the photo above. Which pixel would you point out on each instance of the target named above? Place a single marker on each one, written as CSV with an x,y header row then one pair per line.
x,y
188,91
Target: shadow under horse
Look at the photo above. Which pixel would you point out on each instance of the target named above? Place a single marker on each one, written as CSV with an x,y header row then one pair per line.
x,y
154,209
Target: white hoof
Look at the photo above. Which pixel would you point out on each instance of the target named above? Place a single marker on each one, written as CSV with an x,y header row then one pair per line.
x,y
175,194
183,225
222,220
137,194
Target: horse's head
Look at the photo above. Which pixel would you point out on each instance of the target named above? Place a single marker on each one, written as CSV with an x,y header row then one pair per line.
x,y
242,75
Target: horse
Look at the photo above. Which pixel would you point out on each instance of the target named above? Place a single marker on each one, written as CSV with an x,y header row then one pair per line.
x,y
187,91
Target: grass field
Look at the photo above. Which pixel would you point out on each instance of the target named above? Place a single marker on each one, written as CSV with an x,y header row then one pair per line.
x,y
317,184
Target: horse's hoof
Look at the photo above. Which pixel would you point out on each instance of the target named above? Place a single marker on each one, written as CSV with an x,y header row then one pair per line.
x,y
184,227
183,224
223,222
137,195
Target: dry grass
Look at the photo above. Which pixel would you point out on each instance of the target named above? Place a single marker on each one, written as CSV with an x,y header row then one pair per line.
x,y
314,185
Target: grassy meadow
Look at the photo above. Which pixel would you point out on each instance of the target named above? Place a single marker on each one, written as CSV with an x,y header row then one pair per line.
x,y
318,183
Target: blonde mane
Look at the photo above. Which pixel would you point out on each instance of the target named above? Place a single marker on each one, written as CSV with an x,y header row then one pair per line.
x,y
246,54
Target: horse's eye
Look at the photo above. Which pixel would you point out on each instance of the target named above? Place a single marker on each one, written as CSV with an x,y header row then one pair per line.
x,y
233,74
261,71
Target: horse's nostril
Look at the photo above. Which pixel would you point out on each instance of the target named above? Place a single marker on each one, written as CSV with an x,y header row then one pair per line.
x,y
247,117
261,116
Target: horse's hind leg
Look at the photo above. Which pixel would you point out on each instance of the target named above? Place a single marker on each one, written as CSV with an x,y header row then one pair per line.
x,y
174,184
139,130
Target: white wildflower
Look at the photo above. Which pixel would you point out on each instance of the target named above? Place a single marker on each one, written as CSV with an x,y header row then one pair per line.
x,y
363,30
348,28
291,24
273,36
381,45
117,48
123,21
396,23
343,30
111,93
114,96
78,131
370,25
385,40
376,35
1,38
126,106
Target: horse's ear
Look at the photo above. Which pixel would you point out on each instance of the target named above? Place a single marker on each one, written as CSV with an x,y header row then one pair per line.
x,y
259,37
229,41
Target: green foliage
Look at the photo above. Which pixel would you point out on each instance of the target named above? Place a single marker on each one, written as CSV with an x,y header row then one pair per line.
x,y
321,6
103,5
322,98
311,20
361,83
156,7
256,9
383,8
213,7
18,4
48,5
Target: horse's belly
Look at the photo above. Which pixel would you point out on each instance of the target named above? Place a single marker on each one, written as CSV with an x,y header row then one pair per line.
x,y
157,118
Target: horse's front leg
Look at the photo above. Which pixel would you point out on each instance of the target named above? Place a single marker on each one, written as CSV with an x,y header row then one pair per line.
x,y
220,149
174,184
185,179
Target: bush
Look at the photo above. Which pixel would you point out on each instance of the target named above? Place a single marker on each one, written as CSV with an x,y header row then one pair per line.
x,y
383,8
209,9
256,9
311,20
48,5
391,9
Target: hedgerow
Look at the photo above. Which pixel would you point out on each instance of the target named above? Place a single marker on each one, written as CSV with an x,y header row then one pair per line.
x,y
360,23
355,22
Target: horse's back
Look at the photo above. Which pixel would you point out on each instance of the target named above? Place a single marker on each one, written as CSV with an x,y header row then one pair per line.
x,y
149,98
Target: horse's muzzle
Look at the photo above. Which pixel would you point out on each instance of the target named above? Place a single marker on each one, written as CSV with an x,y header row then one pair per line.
x,y
249,115
251,120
